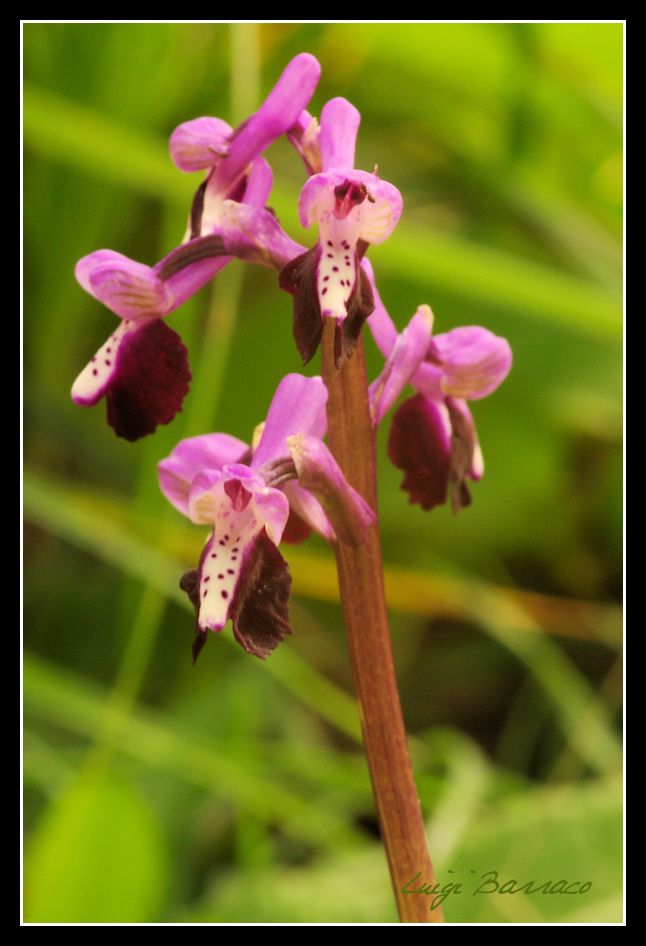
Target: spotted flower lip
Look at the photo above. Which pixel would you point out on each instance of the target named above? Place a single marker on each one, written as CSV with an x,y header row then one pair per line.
x,y
252,497
143,346
433,437
352,209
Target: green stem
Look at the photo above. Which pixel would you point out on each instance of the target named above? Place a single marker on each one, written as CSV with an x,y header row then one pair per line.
x,y
352,440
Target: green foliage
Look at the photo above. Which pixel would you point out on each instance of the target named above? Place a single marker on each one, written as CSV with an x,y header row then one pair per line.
x,y
236,790
97,856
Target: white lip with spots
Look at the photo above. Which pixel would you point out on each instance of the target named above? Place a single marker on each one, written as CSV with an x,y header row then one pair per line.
x,y
96,376
223,557
337,266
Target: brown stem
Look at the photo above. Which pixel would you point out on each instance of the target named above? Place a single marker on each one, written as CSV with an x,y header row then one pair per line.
x,y
352,441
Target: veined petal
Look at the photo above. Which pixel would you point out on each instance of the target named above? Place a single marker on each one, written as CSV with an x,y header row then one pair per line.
x,y
409,350
473,361
143,371
200,143
192,456
253,189
298,406
253,234
340,122
130,289
259,183
320,474
277,114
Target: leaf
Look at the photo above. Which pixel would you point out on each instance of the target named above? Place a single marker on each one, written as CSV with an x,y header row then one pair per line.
x,y
96,856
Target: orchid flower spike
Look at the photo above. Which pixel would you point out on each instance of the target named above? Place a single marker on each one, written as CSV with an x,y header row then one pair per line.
x,y
433,437
283,485
142,370
352,209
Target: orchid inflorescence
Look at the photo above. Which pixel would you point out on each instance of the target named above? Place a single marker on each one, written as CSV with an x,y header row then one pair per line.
x,y
286,482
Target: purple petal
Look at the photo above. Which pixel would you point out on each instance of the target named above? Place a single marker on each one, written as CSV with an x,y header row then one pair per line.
x,y
193,264
473,361
132,290
410,349
237,499
320,474
143,370
150,382
278,113
380,324
298,406
255,190
208,495
259,183
260,609
309,509
372,220
199,143
466,455
192,456
189,267
304,136
420,445
339,126
253,234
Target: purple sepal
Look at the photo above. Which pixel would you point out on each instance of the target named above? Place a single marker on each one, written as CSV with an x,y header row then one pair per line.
x,y
298,406
380,323
340,122
473,361
408,352
200,143
371,212
132,290
277,114
320,474
253,234
193,455
150,381
304,136
260,611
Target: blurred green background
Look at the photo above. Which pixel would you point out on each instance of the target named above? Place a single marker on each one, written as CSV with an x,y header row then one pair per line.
x,y
236,790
